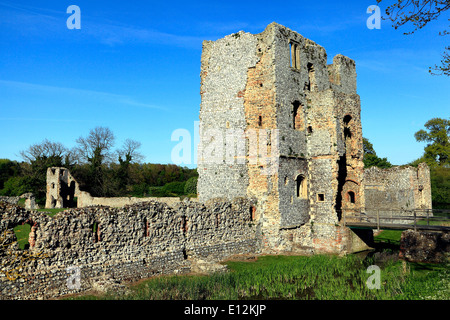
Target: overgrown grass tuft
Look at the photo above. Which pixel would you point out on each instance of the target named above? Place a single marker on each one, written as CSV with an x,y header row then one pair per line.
x,y
51,212
22,233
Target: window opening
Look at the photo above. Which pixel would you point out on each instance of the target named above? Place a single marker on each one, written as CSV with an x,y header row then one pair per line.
x,y
301,187
351,197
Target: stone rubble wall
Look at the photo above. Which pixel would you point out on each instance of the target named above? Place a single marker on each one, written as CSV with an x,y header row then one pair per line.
x,y
30,200
124,244
10,200
425,246
397,190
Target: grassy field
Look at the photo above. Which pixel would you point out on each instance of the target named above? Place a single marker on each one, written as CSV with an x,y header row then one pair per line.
x,y
299,277
23,231
51,212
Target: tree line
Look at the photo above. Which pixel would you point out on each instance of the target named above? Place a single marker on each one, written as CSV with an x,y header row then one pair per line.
x,y
99,169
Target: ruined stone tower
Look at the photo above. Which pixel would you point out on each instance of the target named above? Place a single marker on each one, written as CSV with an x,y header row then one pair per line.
x,y
61,188
279,124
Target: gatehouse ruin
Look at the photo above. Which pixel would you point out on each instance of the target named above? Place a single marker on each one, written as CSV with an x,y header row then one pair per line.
x,y
279,124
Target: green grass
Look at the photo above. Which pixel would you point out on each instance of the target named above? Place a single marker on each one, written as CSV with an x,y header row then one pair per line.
x,y
21,202
22,232
389,236
51,212
434,222
297,277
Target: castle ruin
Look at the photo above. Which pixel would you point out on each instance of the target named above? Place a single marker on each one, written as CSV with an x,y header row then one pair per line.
x,y
280,163
279,124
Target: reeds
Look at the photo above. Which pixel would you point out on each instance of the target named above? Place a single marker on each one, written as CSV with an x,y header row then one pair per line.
x,y
294,277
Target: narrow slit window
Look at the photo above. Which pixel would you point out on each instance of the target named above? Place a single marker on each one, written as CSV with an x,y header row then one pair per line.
x,y
146,229
351,197
297,116
294,55
252,213
96,232
291,54
312,84
301,187
320,197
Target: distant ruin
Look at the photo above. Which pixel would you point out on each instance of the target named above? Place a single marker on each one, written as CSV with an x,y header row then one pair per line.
x,y
63,191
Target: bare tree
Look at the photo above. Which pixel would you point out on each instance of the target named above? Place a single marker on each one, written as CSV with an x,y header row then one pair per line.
x,y
129,151
46,150
96,147
419,13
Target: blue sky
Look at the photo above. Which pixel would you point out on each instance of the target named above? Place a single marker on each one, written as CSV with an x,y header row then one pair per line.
x,y
134,67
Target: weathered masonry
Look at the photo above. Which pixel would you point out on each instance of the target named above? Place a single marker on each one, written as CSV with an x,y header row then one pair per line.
x,y
398,188
62,188
276,90
279,124
124,244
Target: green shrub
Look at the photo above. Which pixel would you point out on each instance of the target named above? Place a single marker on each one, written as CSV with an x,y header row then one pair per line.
x,y
15,186
139,190
440,186
176,188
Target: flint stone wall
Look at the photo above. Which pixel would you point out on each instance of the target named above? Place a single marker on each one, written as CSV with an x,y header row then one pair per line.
x,y
30,201
397,191
11,200
126,244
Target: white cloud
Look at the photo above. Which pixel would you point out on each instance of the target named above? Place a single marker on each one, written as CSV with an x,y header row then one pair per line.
x,y
105,96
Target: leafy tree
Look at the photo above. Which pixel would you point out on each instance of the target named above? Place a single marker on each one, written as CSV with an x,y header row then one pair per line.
x,y
437,156
16,186
127,154
371,159
419,13
368,147
440,187
191,186
436,135
8,169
